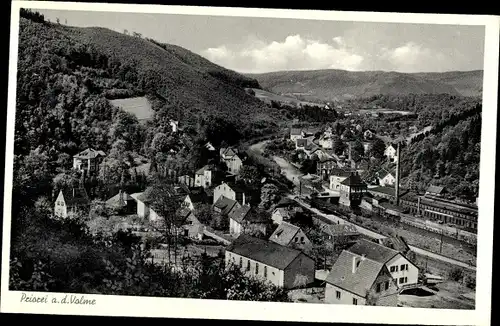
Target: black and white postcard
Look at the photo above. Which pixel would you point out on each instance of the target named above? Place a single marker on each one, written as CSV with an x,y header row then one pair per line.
x,y
250,164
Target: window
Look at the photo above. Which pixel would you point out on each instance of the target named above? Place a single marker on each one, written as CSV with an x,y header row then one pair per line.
x,y
248,265
265,271
302,239
386,285
396,267
337,295
256,268
378,287
402,267
296,239
393,269
402,280
354,301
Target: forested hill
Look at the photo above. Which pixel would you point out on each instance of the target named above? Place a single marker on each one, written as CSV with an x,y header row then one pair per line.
x,y
66,73
337,85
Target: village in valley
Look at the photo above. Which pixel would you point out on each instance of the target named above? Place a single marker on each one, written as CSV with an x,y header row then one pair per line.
x,y
323,209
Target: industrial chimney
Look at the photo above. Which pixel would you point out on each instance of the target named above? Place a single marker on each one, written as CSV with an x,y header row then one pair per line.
x,y
398,159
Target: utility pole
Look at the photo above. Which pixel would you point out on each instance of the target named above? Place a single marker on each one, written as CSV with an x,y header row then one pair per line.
x,y
441,242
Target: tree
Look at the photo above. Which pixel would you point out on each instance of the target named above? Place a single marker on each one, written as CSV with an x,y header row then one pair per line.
x,y
250,174
357,151
378,148
204,213
300,281
269,195
339,146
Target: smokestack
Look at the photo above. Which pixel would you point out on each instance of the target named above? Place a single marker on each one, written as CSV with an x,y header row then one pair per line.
x,y
398,159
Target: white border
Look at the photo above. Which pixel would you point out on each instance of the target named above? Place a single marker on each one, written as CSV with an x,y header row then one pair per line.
x,y
214,309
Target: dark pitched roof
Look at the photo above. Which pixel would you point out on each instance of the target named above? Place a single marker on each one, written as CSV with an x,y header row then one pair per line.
x,y
119,200
203,169
225,204
341,172
373,251
387,190
235,187
75,196
295,131
89,153
388,205
181,215
285,201
353,180
198,195
435,189
339,229
240,214
397,243
266,252
228,152
361,281
301,142
284,233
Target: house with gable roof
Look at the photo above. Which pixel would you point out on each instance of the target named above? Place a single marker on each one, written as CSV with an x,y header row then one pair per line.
x,y
88,160
352,190
387,178
358,280
196,196
70,202
225,206
280,265
287,234
122,203
243,220
233,159
207,176
340,233
230,190
401,268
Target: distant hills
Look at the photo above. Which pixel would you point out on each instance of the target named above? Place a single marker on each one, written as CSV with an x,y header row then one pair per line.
x,y
337,85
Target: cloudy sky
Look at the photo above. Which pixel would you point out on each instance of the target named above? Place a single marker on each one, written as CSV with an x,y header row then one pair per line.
x,y
255,45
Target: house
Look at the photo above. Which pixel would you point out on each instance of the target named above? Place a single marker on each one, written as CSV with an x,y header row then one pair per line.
x,y
340,234
322,154
195,197
337,176
386,192
280,214
387,179
402,270
232,158
367,146
310,149
188,225
368,134
243,220
358,280
187,180
144,209
207,176
325,166
435,191
295,133
70,202
289,235
225,206
326,141
352,190
280,265
174,125
231,191
88,160
391,153
122,203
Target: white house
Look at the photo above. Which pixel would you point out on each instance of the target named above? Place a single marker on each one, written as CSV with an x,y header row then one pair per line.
x,y
232,158
391,153
70,202
387,180
287,234
230,191
359,280
279,215
280,265
209,146
295,133
143,207
88,160
336,178
402,270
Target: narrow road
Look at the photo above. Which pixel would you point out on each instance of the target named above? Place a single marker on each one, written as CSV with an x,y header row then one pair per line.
x,y
292,174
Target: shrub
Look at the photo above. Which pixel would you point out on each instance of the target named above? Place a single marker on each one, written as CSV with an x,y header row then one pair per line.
x,y
470,282
456,274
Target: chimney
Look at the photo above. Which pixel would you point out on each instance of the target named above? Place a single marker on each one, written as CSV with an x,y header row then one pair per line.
x,y
354,264
73,192
398,159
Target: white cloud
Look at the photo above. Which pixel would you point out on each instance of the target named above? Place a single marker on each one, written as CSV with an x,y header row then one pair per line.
x,y
293,53
412,57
